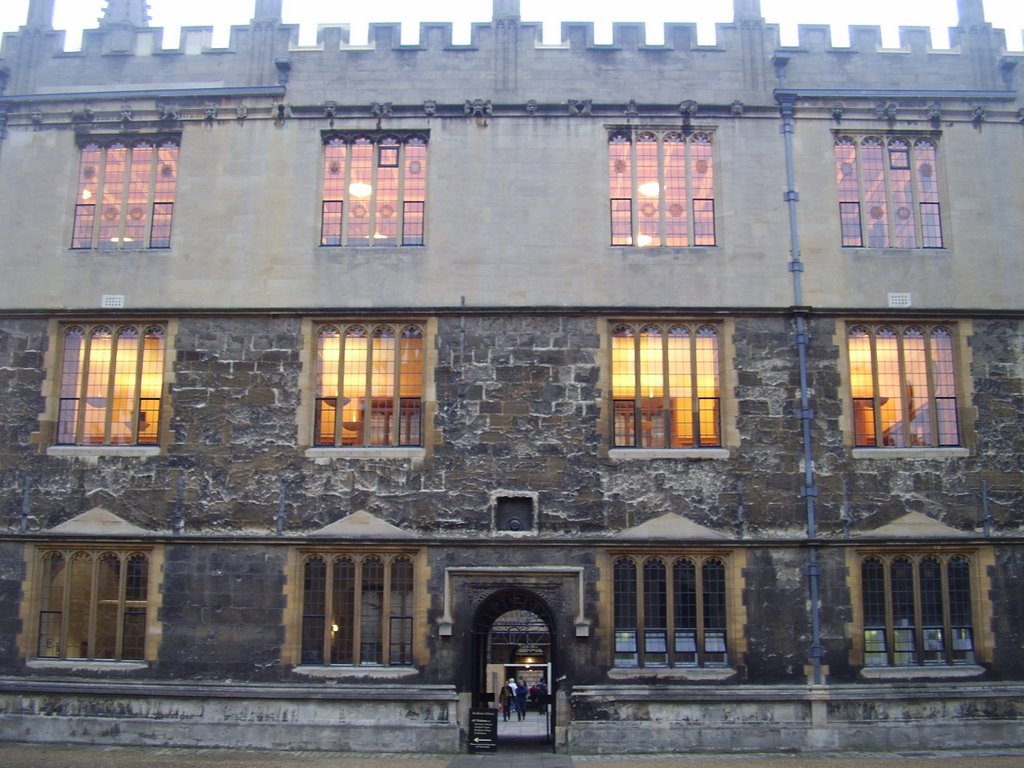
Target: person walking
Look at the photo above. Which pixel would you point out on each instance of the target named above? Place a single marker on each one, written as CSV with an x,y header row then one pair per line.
x,y
521,692
505,700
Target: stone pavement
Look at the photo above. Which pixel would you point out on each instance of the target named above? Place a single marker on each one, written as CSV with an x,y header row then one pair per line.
x,y
15,755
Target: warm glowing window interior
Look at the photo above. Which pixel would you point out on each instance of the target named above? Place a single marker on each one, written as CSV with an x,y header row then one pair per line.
x,y
665,386
902,386
357,610
374,189
888,192
126,195
93,605
661,188
111,383
369,385
669,612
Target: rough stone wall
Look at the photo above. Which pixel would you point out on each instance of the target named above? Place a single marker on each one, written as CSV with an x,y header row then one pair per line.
x,y
12,575
1008,613
222,612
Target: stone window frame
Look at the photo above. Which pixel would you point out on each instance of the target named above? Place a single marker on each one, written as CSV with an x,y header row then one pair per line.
x,y
306,412
295,587
389,153
727,377
857,204
981,558
36,556
962,330
734,561
53,365
140,202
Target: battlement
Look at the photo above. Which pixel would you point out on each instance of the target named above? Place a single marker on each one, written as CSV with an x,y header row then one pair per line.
x,y
504,58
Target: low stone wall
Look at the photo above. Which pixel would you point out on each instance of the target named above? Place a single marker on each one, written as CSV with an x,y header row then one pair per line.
x,y
356,718
609,719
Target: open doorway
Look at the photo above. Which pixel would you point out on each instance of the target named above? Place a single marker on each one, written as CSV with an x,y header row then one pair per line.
x,y
513,641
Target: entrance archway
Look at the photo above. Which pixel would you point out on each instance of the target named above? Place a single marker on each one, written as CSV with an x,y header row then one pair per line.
x,y
513,636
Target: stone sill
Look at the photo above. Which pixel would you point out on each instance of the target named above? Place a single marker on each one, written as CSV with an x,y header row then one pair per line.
x,y
93,453
388,454
911,453
88,665
919,673
374,673
693,674
617,455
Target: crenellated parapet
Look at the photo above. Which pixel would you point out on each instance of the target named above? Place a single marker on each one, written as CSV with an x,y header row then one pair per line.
x,y
505,60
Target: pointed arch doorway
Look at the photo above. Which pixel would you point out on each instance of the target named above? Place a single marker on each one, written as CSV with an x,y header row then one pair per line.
x,y
513,637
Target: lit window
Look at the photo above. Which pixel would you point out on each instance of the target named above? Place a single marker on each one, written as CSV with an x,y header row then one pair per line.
x,y
126,195
369,385
357,610
93,605
665,386
903,386
661,188
888,192
673,615
111,383
917,610
374,189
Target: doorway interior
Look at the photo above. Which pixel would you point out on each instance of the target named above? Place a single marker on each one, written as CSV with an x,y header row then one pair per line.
x,y
514,640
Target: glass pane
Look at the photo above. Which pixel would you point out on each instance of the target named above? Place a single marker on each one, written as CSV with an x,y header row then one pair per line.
x,y
136,227
79,606
702,183
680,387
360,191
343,612
902,194
708,386
648,200
652,388
873,172
51,605
944,386
112,206
624,384
165,190
386,198
625,610
902,591
88,188
354,385
97,387
928,193
919,417
314,594
108,586
410,387
676,223
371,612
71,383
890,388
384,371
126,370
400,610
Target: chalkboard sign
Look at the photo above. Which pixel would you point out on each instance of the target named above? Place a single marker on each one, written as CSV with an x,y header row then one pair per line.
x,y
483,730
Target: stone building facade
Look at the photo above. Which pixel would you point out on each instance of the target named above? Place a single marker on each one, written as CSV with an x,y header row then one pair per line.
x,y
340,383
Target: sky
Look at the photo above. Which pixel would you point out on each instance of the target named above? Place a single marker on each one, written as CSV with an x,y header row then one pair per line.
x,y
74,15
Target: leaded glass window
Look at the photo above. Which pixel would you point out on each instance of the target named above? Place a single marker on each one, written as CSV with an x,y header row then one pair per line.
x,y
93,605
111,384
674,616
888,192
357,610
917,610
369,381
373,189
661,188
665,385
903,386
126,191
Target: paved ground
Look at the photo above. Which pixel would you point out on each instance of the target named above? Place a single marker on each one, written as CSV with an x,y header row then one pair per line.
x,y
14,755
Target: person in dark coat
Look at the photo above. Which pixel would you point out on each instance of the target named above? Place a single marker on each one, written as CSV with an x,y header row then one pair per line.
x,y
521,692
